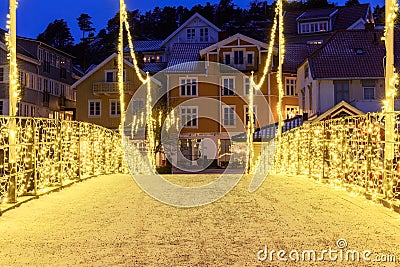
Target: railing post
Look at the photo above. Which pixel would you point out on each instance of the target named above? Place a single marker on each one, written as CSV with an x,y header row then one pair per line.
x,y
79,150
60,149
12,164
34,156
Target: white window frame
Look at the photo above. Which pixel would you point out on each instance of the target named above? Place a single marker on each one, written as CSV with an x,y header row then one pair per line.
x,y
246,85
245,110
94,101
312,27
369,87
117,111
115,75
243,50
247,58
195,116
223,85
231,107
188,82
290,81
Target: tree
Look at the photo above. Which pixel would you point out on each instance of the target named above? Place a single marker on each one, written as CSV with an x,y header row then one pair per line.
x,y
57,34
85,25
352,2
318,4
379,15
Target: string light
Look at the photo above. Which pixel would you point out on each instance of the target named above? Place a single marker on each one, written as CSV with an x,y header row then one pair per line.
x,y
53,153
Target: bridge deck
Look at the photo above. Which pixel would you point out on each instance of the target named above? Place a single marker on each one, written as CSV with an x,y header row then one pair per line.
x,y
109,221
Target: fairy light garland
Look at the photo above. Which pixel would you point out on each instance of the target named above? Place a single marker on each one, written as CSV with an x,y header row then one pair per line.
x,y
280,70
268,60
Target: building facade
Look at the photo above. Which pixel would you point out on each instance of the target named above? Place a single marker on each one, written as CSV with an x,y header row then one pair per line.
x,y
45,78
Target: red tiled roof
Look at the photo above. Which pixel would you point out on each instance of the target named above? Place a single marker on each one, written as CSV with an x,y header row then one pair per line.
x,y
338,58
295,54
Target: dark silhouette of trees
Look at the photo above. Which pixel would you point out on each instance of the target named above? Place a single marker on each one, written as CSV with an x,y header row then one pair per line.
x,y
57,34
352,2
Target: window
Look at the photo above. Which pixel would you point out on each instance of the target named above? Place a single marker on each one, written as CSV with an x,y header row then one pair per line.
x,y
369,89
311,27
110,76
1,74
229,116
290,86
115,107
1,107
138,106
63,73
40,82
190,34
228,84
291,111
188,86
246,85
188,116
341,91
204,35
227,58
94,108
246,114
238,57
250,58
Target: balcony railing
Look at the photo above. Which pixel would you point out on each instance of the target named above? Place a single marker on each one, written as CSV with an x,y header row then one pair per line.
x,y
110,87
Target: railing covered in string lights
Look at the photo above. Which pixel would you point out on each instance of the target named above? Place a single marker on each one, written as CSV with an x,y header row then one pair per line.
x,y
346,152
51,153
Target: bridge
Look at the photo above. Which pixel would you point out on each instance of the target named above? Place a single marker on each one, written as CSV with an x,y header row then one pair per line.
x,y
109,220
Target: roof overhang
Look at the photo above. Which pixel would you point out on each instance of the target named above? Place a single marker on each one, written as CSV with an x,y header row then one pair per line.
x,y
340,107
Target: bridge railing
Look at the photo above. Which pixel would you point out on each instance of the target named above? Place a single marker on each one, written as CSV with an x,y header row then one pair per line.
x,y
347,152
51,153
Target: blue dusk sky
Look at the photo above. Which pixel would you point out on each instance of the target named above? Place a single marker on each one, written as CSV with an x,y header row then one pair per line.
x,y
34,15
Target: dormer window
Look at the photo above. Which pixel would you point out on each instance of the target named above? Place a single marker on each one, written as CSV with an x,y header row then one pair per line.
x,y
312,27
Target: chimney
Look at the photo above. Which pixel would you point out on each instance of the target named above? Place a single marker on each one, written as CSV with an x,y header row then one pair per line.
x,y
370,25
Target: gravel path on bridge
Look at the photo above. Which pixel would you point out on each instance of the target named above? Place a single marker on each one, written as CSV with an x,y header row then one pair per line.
x,y
109,221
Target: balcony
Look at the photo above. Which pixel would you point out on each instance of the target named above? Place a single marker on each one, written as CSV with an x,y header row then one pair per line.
x,y
111,88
